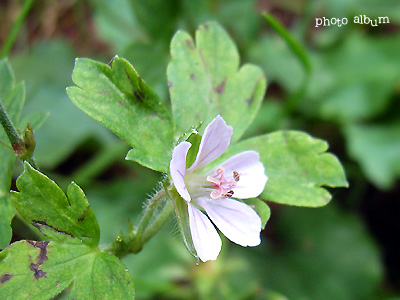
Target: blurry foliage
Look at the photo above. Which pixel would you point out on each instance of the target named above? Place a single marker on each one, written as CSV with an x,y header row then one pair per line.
x,y
342,258
46,93
353,86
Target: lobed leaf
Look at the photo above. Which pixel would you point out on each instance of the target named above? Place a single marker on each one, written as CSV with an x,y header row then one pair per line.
x,y
205,80
41,270
118,98
66,219
296,165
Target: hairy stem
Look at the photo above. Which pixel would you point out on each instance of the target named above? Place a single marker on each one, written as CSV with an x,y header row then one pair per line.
x,y
155,215
148,214
15,139
11,131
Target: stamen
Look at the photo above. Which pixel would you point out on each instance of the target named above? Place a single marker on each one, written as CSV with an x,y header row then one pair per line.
x,y
215,194
213,180
221,171
236,176
222,187
229,194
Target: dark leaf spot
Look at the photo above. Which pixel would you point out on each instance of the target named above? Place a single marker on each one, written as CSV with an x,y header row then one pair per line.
x,y
5,278
37,272
192,76
42,257
121,103
249,100
206,26
41,224
170,85
83,216
221,87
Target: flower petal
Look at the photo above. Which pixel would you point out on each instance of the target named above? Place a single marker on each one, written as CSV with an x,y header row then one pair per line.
x,y
205,237
236,220
177,169
252,178
215,140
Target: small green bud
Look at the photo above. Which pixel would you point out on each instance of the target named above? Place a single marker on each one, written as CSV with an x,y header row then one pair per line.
x,y
24,149
29,141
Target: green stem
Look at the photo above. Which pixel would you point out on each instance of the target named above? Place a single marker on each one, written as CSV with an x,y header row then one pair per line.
x,y
293,44
156,214
159,221
148,214
12,133
12,36
292,102
16,141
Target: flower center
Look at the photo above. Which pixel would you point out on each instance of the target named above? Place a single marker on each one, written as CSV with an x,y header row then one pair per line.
x,y
222,186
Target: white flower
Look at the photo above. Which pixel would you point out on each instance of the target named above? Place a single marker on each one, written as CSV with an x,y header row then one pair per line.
x,y
241,176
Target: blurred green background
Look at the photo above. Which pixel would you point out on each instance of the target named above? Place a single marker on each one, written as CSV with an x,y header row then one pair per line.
x,y
349,97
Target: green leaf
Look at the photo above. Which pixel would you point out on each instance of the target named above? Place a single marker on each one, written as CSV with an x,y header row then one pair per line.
x,y
7,212
44,205
296,165
205,80
41,270
261,208
377,149
118,98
